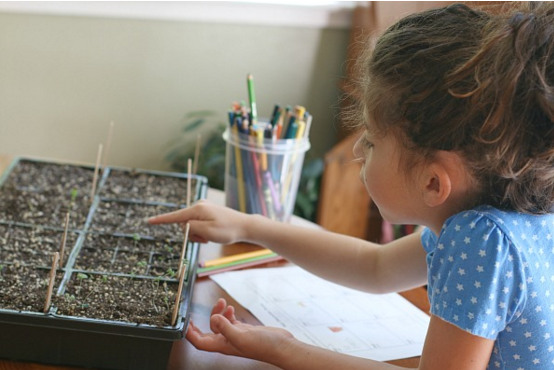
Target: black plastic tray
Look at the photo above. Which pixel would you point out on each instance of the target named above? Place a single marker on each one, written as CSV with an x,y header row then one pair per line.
x,y
88,342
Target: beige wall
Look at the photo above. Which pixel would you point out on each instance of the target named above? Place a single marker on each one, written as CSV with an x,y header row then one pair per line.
x,y
64,78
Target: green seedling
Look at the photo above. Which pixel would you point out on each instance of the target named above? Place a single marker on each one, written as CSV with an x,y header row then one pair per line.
x,y
166,301
136,239
80,278
74,193
142,264
170,273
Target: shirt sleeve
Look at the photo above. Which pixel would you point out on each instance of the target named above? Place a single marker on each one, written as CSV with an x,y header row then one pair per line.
x,y
476,277
428,240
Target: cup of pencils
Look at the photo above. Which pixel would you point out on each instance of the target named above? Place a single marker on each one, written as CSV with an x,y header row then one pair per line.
x,y
264,160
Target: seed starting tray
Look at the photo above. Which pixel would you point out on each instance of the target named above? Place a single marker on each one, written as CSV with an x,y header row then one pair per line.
x,y
108,240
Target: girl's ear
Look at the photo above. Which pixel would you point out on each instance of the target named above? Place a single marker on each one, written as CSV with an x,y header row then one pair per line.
x,y
437,185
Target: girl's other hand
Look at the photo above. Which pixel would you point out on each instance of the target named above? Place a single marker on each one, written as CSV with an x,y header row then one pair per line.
x,y
232,337
208,222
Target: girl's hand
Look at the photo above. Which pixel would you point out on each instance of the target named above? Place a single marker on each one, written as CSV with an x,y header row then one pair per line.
x,y
232,337
208,222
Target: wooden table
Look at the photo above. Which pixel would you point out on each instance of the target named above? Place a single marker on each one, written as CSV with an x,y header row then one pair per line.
x,y
183,355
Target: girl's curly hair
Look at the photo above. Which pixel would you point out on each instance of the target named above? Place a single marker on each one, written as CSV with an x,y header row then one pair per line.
x,y
478,83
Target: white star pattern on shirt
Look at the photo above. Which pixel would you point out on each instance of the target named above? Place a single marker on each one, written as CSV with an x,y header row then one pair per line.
x,y
512,264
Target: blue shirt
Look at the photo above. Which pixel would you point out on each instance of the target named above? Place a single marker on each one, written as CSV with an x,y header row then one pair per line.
x,y
491,273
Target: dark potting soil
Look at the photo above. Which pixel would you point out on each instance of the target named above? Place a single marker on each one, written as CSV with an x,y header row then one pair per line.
x,y
132,185
33,245
118,298
45,208
24,288
136,280
57,179
127,255
130,218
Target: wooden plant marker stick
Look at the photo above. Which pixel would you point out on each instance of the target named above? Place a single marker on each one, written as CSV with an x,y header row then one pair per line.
x,y
182,258
181,276
196,154
64,238
51,283
189,181
182,273
108,145
96,168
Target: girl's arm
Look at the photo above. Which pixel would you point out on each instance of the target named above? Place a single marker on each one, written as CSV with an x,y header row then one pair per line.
x,y
447,347
397,266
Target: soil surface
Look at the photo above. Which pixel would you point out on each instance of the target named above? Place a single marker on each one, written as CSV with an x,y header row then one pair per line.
x,y
127,255
57,179
24,288
129,276
32,245
42,208
118,298
133,185
130,218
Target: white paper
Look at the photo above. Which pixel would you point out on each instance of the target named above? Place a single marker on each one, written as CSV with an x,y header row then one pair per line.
x,y
379,327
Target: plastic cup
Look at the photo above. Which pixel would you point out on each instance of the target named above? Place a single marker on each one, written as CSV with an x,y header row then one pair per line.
x,y
262,176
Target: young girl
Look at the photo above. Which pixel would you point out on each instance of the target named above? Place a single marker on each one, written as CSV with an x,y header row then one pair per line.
x,y
458,110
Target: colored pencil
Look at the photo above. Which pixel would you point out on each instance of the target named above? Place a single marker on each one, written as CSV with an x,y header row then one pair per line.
x,y
252,98
206,271
240,177
235,257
